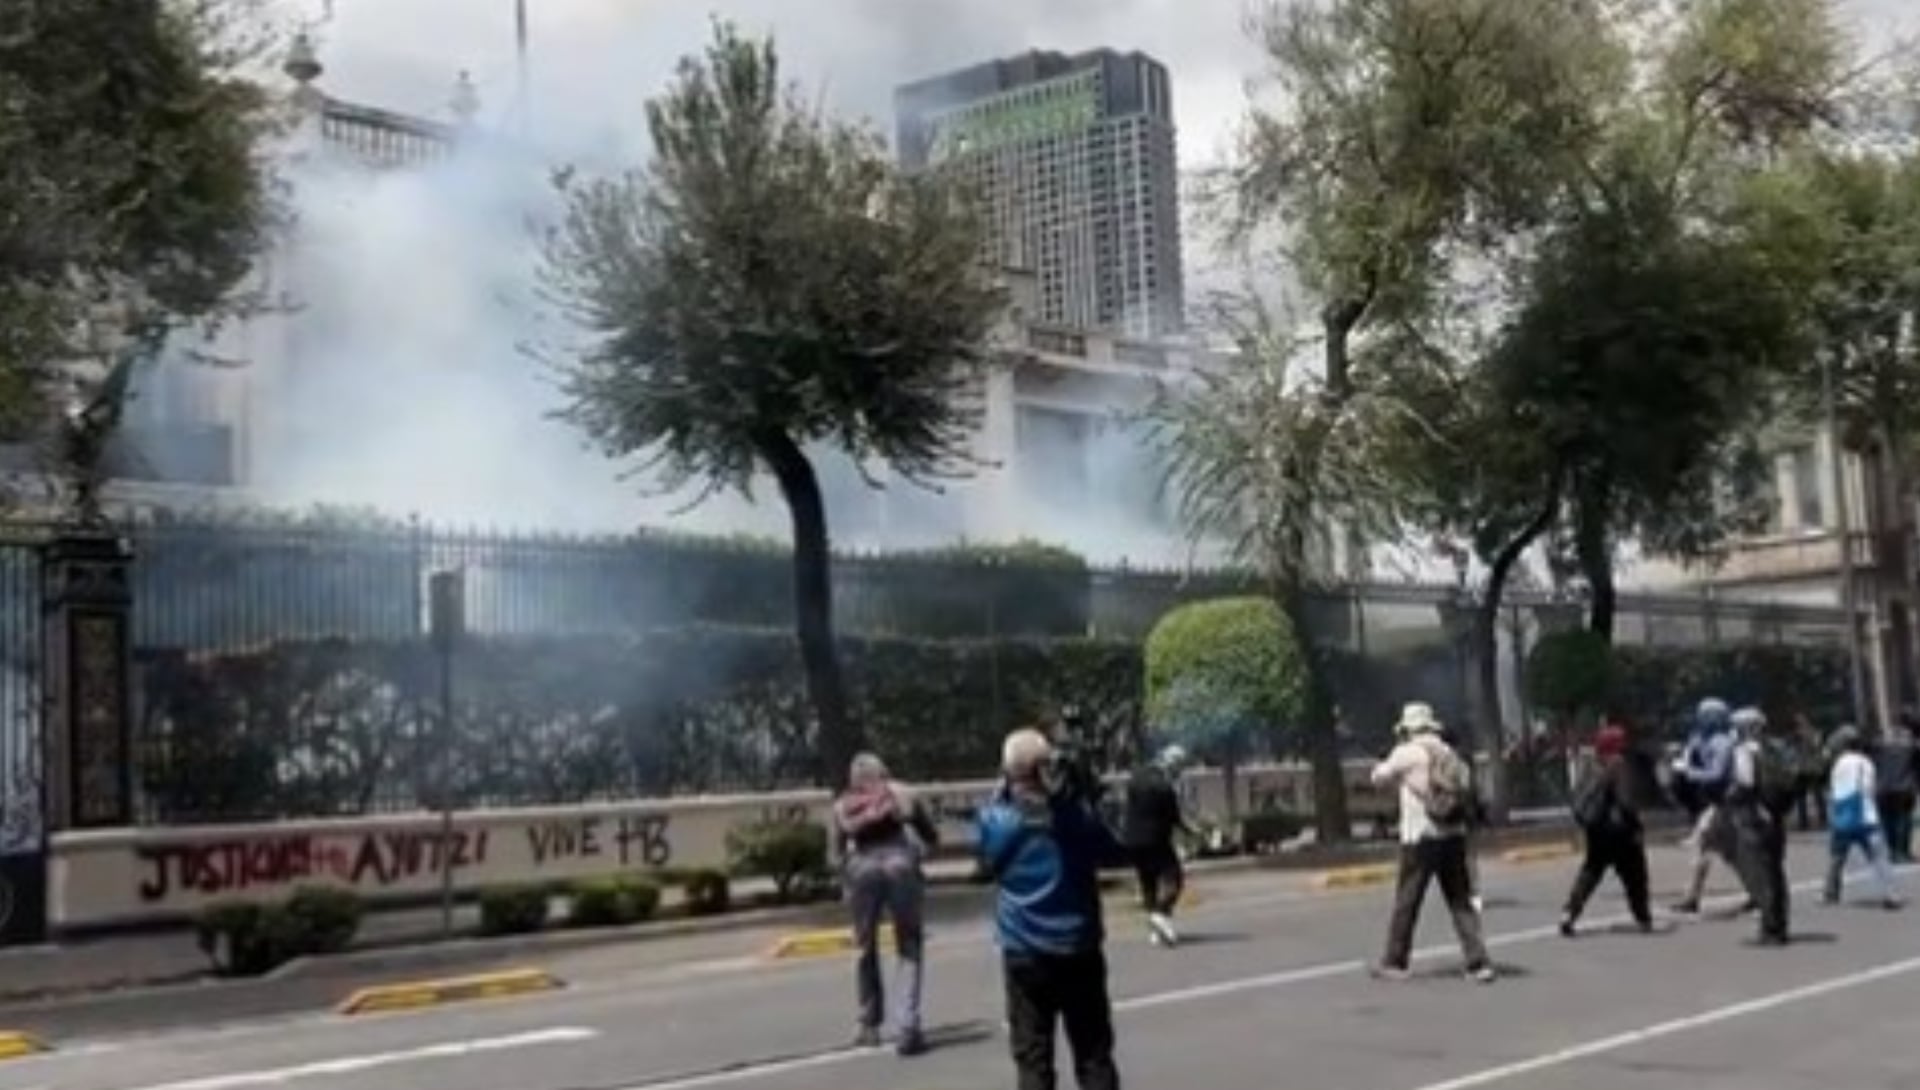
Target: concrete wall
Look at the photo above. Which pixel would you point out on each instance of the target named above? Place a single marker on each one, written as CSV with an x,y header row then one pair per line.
x,y
142,876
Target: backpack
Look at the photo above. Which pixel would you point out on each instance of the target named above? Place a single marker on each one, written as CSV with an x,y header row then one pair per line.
x,y
1449,785
1776,775
1593,806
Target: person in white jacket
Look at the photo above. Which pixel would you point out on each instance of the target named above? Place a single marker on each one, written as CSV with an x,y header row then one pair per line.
x,y
1854,817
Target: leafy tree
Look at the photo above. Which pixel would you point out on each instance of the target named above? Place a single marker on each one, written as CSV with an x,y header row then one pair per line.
x,y
770,281
1570,673
1405,135
1226,679
134,201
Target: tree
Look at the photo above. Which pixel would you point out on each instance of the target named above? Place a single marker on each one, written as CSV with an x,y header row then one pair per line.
x,y
1225,679
1407,136
771,281
134,201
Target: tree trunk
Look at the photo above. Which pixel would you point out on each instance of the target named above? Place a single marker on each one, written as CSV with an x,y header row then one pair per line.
x,y
1593,545
1483,698
1331,822
839,738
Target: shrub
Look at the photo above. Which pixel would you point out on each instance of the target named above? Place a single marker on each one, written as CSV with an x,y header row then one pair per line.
x,y
616,901
788,852
1570,674
1226,679
513,910
325,918
234,935
707,893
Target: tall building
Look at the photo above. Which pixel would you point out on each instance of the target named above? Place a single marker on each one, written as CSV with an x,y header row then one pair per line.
x,y
1074,157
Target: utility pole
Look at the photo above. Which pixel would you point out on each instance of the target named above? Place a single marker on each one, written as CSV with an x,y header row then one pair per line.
x,y
1849,592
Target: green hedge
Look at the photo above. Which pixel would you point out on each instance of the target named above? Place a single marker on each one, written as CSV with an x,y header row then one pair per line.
x,y
335,727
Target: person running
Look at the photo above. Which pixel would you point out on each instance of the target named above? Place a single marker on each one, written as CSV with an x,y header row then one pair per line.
x,y
1895,773
1153,819
1758,802
1707,767
1433,783
1855,814
1616,839
884,834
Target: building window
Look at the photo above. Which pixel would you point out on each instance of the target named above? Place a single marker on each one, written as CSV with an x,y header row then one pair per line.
x,y
1810,513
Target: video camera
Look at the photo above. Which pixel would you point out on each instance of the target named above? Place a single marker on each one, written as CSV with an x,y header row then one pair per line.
x,y
1069,774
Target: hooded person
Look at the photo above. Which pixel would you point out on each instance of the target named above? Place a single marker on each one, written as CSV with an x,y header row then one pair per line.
x,y
883,835
1609,819
1706,767
1153,819
1433,783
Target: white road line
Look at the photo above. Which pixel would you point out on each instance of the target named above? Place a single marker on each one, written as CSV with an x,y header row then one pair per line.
x,y
1717,1015
347,1065
758,1071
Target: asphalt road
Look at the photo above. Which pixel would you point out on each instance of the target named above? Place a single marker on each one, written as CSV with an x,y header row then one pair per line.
x,y
1270,992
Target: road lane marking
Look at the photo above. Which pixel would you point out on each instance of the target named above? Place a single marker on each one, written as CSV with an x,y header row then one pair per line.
x,y
764,1070
1728,1013
347,1065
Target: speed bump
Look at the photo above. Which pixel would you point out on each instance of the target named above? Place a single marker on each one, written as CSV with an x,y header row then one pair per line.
x,y
14,1046
824,943
1372,874
1538,853
388,998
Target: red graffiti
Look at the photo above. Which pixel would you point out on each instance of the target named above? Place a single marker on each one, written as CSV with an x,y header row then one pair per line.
x,y
374,859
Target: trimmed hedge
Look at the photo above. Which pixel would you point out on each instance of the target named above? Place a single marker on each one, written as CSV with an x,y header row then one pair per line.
x,y
301,729
792,854
249,938
514,909
616,901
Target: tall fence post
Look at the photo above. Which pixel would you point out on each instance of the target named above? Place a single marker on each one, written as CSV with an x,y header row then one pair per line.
x,y
88,629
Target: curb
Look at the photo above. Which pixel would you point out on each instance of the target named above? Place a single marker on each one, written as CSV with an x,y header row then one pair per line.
x,y
1373,874
1539,853
387,998
820,944
15,1046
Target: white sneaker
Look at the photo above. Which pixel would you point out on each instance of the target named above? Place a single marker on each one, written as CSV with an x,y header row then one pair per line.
x,y
1161,927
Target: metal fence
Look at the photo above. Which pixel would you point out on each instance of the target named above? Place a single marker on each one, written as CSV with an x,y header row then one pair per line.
x,y
284,666
21,699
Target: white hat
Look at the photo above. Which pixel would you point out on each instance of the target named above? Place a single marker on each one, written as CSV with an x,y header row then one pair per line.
x,y
1417,718
1173,757
1024,752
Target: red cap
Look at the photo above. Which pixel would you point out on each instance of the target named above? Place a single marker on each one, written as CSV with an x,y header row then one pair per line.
x,y
1611,741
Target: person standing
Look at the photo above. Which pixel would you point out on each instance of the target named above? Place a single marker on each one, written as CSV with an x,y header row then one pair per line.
x,y
884,834
1811,803
1855,814
1758,802
1045,849
1433,783
1706,764
1615,837
1895,773
1153,819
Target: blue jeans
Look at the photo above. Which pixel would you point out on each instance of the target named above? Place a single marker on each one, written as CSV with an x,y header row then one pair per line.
x,y
887,883
1872,842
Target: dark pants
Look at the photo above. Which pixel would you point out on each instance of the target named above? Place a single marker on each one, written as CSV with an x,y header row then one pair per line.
x,y
1161,877
1445,860
1896,816
1762,853
1044,991
1812,803
1623,854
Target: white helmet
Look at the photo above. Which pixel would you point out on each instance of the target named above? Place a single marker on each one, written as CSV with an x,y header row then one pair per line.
x,y
1172,758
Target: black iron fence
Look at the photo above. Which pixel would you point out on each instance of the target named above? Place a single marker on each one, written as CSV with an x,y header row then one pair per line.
x,y
282,669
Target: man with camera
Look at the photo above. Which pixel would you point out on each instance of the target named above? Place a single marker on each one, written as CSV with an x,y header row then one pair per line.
x,y
1043,842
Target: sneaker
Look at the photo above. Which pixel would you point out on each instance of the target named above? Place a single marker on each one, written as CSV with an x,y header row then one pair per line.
x,y
1893,904
1566,927
912,1043
868,1037
1160,926
1483,974
1382,971
1645,926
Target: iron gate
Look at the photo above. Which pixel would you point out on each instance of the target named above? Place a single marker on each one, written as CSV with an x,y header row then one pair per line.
x,y
23,845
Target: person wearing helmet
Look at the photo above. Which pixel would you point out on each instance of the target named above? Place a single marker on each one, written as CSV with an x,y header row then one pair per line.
x,y
1706,766
1153,819
1758,801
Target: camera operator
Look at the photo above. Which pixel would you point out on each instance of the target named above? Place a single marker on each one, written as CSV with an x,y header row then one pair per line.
x,y
1042,840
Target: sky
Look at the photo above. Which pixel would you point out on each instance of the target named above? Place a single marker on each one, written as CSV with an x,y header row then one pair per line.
x,y
594,61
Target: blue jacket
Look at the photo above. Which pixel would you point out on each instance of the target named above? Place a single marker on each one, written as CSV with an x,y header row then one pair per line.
x,y
1046,854
1710,762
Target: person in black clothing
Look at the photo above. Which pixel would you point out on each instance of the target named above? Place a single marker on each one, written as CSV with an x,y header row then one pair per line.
x,y
1616,840
1153,817
1897,772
